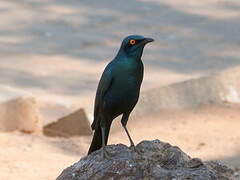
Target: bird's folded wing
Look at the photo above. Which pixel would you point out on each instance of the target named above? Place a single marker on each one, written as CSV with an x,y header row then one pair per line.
x,y
103,86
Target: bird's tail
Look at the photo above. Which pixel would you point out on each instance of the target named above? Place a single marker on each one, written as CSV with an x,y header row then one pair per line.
x,y
97,138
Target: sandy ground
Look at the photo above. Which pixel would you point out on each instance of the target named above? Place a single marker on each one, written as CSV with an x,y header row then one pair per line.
x,y
208,132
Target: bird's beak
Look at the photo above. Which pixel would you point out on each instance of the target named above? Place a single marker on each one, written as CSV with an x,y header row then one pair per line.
x,y
148,40
143,43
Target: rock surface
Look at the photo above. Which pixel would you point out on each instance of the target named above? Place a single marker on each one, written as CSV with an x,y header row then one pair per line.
x,y
20,114
51,111
219,88
74,124
154,160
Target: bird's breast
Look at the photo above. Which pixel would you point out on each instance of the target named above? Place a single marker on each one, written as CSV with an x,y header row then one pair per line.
x,y
124,91
123,95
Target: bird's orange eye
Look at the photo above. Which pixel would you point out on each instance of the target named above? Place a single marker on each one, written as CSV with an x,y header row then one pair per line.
x,y
132,42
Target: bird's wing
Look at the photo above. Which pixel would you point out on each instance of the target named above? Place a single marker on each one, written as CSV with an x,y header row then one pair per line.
x,y
103,86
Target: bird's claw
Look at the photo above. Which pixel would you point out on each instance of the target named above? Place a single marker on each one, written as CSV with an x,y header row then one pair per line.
x,y
132,146
105,154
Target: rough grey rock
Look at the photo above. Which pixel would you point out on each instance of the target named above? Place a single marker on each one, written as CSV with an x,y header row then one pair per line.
x,y
154,160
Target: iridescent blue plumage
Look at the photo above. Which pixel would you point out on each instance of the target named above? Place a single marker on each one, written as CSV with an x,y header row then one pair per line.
x,y
118,89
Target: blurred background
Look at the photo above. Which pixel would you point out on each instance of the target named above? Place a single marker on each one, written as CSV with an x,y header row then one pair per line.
x,y
53,53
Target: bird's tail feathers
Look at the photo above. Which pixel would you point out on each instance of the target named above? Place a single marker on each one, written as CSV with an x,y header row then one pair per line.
x,y
93,125
97,138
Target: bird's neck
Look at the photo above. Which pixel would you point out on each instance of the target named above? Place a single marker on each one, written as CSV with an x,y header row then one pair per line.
x,y
122,55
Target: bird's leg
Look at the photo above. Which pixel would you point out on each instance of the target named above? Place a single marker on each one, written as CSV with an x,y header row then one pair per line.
x,y
124,124
104,152
129,137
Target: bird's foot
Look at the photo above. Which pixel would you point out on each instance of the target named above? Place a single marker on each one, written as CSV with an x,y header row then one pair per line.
x,y
132,146
138,153
105,154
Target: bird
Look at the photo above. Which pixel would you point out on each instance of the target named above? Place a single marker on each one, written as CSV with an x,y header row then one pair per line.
x,y
118,90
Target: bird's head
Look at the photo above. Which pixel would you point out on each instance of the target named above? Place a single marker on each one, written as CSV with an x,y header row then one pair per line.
x,y
133,45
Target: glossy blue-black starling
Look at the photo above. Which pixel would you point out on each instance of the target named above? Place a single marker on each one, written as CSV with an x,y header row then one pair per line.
x,y
118,90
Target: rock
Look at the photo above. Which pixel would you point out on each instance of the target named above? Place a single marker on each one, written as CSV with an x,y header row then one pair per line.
x,y
51,111
20,114
75,124
154,160
219,88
